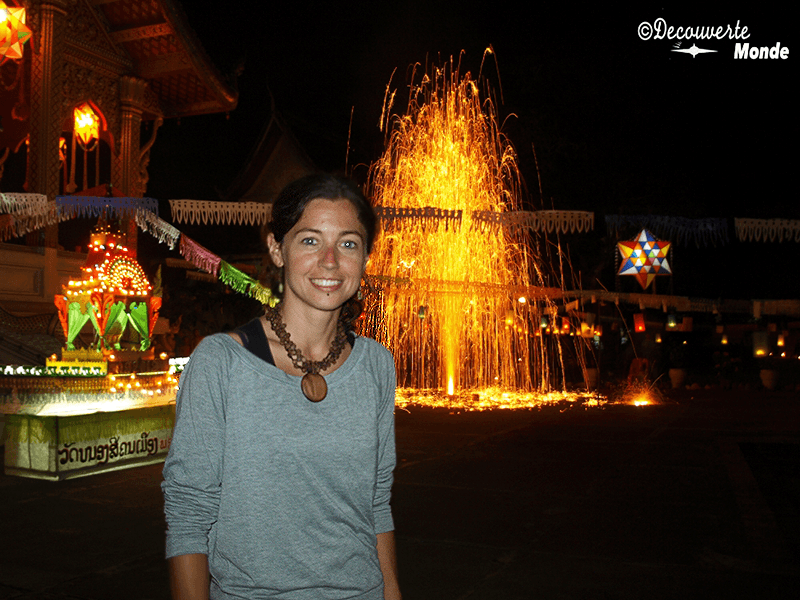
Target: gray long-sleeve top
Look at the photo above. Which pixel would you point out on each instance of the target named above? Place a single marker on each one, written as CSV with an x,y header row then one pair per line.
x,y
285,496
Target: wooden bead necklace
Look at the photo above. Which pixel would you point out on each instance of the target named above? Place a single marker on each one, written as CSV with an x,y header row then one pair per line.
x,y
313,384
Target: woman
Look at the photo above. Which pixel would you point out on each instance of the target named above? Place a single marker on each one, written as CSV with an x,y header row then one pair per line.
x,y
279,475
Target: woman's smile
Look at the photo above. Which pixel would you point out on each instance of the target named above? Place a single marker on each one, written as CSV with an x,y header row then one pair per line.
x,y
327,285
323,255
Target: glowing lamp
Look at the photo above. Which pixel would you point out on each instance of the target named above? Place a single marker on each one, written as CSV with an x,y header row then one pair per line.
x,y
724,339
13,32
781,340
658,338
672,321
423,310
87,124
638,321
760,343
544,322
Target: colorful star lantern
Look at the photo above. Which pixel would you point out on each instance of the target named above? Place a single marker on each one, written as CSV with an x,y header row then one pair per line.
x,y
13,32
644,257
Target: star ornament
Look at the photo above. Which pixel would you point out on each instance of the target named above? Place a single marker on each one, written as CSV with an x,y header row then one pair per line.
x,y
13,32
645,258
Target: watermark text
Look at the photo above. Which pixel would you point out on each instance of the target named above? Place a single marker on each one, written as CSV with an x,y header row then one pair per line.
x,y
659,30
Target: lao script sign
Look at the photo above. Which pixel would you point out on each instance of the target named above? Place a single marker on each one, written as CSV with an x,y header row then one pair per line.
x,y
100,452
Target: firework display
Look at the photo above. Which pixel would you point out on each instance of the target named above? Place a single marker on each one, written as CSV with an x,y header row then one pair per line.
x,y
449,304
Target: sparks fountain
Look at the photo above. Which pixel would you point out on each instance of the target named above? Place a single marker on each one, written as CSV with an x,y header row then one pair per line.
x,y
458,288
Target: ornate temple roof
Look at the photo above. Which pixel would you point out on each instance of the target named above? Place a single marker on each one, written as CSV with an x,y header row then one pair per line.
x,y
276,160
161,48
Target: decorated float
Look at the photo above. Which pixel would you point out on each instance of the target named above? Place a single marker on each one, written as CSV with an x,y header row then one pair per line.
x,y
106,402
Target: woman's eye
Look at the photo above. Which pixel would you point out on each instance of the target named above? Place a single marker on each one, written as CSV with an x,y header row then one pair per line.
x,y
350,244
308,241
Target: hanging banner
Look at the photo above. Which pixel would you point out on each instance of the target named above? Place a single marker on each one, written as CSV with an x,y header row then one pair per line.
x,y
22,204
157,227
200,257
26,213
209,212
701,231
427,215
95,206
548,221
767,230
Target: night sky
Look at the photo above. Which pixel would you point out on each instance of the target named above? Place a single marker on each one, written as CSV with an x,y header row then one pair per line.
x,y
620,125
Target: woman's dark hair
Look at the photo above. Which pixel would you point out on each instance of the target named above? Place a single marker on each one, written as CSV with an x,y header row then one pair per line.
x,y
293,199
292,202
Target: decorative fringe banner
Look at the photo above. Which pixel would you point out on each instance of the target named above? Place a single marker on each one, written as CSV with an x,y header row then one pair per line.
x,y
680,229
22,204
262,294
26,212
94,206
427,215
559,221
200,257
204,259
767,230
549,221
234,278
208,212
157,227
563,221
244,284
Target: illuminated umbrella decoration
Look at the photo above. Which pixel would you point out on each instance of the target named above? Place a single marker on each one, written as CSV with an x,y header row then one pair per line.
x,y
13,32
645,257
113,293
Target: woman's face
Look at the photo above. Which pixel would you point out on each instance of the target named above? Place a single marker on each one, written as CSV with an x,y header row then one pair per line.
x,y
323,255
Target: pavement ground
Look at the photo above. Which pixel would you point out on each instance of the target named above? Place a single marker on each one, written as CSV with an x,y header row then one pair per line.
x,y
697,497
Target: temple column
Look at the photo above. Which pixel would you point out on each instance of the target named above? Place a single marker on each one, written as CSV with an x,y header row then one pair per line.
x,y
47,51
131,93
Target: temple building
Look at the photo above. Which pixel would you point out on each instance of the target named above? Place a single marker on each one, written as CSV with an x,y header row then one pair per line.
x,y
84,94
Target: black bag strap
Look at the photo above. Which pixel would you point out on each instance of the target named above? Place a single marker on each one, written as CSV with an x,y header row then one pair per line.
x,y
255,340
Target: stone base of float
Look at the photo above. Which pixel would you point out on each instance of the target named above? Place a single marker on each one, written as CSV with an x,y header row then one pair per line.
x,y
57,447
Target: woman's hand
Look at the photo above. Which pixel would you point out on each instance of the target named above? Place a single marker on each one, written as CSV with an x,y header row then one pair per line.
x,y
387,556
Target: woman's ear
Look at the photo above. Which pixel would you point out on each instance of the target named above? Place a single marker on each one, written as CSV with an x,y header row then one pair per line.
x,y
274,251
